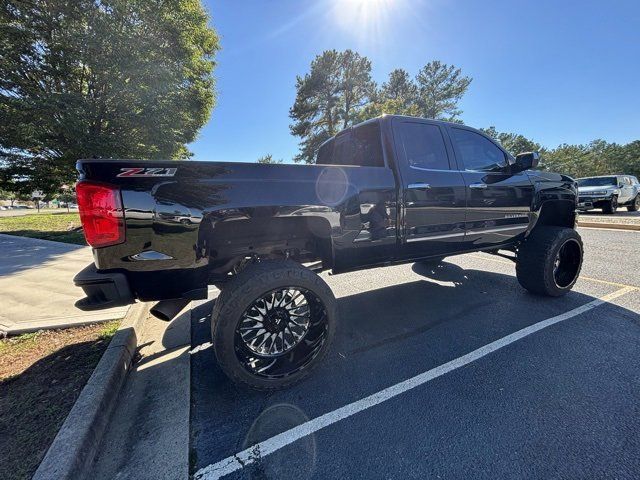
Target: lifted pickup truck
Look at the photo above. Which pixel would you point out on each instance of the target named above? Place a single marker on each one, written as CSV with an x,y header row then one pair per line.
x,y
387,191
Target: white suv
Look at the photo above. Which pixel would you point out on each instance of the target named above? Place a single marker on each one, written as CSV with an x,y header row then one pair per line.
x,y
608,193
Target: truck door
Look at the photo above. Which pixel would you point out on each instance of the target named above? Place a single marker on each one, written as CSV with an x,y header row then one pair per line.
x,y
362,188
627,192
498,202
433,194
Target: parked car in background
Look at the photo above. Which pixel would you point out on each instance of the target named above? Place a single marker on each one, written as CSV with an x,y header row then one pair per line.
x,y
67,205
608,193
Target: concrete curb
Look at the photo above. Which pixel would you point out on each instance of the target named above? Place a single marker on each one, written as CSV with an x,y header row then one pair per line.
x,y
152,414
57,323
72,452
615,226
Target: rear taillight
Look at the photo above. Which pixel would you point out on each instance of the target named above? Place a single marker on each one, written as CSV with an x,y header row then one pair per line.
x,y
101,213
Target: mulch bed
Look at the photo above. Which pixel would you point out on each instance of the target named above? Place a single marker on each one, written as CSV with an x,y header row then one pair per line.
x,y
41,376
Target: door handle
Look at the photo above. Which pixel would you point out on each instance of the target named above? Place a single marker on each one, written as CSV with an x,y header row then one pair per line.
x,y
478,186
419,186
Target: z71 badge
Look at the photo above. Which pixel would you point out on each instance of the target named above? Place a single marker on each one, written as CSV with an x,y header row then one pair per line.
x,y
146,172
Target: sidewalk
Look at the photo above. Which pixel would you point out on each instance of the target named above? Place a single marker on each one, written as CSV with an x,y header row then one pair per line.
x,y
621,217
36,286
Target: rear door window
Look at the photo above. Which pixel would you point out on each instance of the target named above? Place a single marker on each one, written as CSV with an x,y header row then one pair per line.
x,y
423,146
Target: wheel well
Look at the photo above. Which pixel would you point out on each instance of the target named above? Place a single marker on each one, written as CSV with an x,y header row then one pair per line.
x,y
304,239
557,213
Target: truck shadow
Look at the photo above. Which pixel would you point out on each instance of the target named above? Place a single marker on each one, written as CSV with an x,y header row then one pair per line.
x,y
384,336
447,297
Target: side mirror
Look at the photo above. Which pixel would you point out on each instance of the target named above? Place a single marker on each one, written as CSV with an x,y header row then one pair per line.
x,y
526,161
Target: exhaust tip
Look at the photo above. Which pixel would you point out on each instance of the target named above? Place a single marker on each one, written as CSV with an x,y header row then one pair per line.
x,y
166,310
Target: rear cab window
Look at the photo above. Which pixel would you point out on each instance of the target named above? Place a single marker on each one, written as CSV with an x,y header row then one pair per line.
x,y
361,146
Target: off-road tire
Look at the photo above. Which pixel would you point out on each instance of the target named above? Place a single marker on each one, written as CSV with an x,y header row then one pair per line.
x,y
611,207
536,258
250,284
634,206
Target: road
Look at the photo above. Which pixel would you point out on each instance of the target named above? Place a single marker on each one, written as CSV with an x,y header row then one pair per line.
x,y
561,400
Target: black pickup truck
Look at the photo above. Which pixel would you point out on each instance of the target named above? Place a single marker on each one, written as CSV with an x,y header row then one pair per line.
x,y
390,190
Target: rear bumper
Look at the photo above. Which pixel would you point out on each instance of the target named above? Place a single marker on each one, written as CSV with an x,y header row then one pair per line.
x,y
102,289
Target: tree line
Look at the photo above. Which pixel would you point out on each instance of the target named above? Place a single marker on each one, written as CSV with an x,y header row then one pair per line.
x,y
597,157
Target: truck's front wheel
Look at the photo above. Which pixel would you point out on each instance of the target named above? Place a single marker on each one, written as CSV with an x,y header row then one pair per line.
x,y
549,261
611,207
272,324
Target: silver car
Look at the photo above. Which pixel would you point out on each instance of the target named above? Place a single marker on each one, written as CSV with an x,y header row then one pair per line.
x,y
608,193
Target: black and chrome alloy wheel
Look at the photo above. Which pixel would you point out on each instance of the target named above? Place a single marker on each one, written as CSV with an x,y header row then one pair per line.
x,y
272,324
280,332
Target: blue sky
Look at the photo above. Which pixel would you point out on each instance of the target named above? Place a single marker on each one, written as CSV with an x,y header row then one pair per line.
x,y
555,71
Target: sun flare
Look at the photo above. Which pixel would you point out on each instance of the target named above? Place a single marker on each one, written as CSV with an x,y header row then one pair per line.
x,y
364,2
364,18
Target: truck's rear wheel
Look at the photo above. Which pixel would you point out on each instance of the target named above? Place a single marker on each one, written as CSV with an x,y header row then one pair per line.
x,y
549,261
634,206
272,324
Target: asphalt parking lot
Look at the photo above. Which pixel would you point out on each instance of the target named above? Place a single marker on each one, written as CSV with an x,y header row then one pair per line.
x,y
453,372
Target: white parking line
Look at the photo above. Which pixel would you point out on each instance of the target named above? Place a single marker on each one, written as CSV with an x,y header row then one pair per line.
x,y
262,449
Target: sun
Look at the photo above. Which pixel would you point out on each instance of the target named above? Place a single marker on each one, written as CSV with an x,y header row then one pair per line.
x,y
364,2
365,19
365,6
